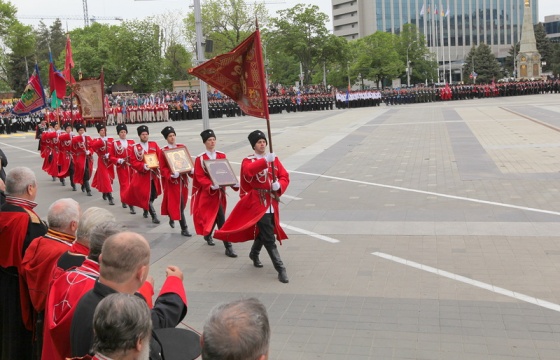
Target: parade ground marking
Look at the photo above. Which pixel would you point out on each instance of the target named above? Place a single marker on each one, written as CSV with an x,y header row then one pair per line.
x,y
310,233
469,281
19,148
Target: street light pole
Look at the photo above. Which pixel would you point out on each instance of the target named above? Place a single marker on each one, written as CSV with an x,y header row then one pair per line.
x,y
408,65
200,60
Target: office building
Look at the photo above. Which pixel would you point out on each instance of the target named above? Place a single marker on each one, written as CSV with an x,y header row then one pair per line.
x,y
552,27
451,27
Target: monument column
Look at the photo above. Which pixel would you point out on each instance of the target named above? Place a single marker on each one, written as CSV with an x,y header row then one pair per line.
x,y
528,58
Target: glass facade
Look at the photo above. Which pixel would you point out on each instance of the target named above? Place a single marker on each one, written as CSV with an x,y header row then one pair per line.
x,y
464,22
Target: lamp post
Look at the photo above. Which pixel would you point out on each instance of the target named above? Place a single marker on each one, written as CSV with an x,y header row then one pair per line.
x,y
408,64
200,60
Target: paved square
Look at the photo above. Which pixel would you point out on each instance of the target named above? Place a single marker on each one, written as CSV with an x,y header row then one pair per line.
x,y
426,231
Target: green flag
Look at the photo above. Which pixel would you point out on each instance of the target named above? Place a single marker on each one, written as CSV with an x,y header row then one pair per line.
x,y
55,101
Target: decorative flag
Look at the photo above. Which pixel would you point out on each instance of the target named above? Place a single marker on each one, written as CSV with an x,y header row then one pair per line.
x,y
428,11
33,97
435,10
447,12
422,10
90,97
441,12
239,74
69,63
57,85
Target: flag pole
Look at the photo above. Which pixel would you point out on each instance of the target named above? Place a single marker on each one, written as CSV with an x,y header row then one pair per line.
x,y
262,80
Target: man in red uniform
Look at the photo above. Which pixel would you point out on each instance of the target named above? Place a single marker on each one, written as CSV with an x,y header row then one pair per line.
x,y
105,173
256,215
124,266
40,258
118,155
83,162
65,156
175,185
19,225
208,202
145,185
65,292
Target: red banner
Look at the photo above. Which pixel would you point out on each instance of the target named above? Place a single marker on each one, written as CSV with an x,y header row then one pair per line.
x,y
33,97
239,74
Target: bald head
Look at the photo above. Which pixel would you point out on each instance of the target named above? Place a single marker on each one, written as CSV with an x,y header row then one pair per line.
x,y
122,255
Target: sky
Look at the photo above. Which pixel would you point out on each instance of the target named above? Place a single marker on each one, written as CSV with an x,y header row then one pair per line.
x,y
130,9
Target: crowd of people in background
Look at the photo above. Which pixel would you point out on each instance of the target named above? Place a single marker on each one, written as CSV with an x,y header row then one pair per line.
x,y
162,106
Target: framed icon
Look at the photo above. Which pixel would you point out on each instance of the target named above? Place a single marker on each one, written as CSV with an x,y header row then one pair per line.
x,y
151,160
179,159
220,172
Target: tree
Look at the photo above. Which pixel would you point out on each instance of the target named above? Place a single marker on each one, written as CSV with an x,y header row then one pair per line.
x,y
176,63
300,32
413,44
171,28
481,60
21,40
7,17
377,58
226,23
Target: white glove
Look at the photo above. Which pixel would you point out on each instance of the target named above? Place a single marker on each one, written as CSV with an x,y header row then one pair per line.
x,y
175,175
87,152
235,186
214,187
275,186
120,161
192,171
106,156
146,167
270,157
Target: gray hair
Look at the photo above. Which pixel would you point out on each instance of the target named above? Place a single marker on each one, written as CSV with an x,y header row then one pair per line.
x,y
18,179
62,212
238,330
122,254
99,234
119,322
89,219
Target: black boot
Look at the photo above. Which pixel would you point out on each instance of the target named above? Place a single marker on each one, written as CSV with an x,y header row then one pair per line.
x,y
254,254
72,183
229,250
209,240
63,182
184,228
104,196
145,214
88,189
132,211
123,205
172,223
278,264
110,197
152,212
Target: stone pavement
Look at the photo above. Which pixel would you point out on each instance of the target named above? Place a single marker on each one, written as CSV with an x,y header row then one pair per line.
x,y
425,231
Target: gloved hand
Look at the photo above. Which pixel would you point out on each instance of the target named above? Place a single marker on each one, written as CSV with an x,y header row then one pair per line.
x,y
270,157
275,186
146,167
87,152
106,156
235,186
214,187
175,175
192,171
120,161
